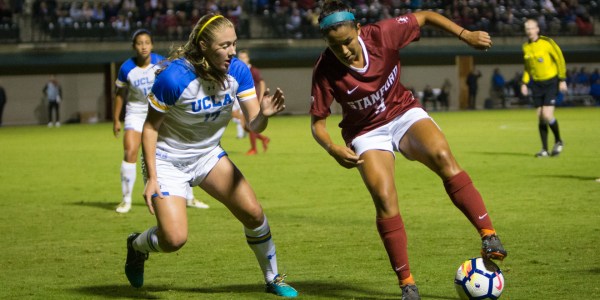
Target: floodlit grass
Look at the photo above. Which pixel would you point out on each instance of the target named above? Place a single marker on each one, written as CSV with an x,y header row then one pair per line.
x,y
61,238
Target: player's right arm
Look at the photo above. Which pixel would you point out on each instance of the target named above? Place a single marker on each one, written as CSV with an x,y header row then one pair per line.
x,y
342,154
120,95
149,137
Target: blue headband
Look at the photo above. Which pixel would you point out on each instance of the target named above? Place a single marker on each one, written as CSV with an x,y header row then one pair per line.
x,y
336,17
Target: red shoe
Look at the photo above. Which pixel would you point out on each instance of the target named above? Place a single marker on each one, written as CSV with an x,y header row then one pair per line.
x,y
265,143
251,152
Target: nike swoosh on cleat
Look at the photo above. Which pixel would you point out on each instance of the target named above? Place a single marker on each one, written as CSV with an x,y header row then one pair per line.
x,y
352,90
481,217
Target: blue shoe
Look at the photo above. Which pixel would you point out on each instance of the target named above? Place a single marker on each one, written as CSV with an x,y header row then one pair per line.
x,y
280,288
134,265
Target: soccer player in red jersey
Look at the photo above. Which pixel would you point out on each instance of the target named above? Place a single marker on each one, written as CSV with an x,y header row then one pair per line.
x,y
360,69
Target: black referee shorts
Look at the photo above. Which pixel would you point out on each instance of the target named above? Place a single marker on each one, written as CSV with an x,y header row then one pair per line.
x,y
544,93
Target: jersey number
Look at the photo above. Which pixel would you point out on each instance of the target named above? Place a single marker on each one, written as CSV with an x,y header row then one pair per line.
x,y
212,116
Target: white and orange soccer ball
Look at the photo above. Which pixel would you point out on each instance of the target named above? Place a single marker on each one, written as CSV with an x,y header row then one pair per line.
x,y
479,279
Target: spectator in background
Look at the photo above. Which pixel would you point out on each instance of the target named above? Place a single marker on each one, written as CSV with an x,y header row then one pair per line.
x,y
498,84
472,85
428,96
444,97
53,94
595,91
2,101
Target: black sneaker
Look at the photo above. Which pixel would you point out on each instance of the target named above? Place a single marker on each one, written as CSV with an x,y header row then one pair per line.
x,y
410,292
542,153
134,266
557,149
491,247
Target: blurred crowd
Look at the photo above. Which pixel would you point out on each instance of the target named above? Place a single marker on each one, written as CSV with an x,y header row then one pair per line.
x,y
173,19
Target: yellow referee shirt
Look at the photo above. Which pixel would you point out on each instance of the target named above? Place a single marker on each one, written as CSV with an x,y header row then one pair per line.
x,y
543,60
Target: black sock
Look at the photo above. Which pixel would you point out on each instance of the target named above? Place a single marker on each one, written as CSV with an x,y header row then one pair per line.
x,y
543,126
554,127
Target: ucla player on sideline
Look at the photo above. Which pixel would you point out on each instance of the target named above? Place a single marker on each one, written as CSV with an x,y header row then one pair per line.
x,y
360,69
134,81
190,106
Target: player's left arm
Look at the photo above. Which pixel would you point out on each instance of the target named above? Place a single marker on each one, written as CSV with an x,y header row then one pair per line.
x,y
480,40
258,113
561,65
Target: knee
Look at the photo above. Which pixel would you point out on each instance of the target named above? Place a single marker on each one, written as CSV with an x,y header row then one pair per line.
x,y
172,242
130,155
253,218
446,164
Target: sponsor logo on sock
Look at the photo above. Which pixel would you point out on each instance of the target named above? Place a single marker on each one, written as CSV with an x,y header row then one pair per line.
x,y
483,216
400,268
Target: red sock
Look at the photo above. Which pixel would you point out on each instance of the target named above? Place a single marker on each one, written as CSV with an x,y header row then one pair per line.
x,y
393,235
466,197
252,136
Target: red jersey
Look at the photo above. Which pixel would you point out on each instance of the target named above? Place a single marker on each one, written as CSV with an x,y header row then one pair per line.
x,y
257,78
372,96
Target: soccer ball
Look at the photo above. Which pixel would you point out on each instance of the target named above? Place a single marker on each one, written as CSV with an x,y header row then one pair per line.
x,y
479,279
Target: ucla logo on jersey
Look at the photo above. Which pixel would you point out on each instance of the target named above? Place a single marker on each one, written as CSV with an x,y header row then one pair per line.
x,y
209,102
143,81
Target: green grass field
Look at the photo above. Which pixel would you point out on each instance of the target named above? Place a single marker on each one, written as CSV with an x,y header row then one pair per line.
x,y
61,238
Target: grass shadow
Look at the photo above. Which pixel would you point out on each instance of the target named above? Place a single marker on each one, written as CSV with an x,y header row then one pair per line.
x,y
102,205
568,176
504,153
330,290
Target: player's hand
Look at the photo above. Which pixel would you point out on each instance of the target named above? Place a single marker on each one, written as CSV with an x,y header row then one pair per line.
x,y
479,40
562,86
151,190
524,90
116,128
272,104
345,156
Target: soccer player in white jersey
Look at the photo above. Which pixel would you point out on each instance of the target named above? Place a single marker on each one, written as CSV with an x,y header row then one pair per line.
x,y
134,81
190,107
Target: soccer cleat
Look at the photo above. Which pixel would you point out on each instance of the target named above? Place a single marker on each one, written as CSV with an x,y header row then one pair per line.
x,y
50,124
134,266
557,149
278,287
251,152
57,124
123,207
491,247
542,153
197,204
410,292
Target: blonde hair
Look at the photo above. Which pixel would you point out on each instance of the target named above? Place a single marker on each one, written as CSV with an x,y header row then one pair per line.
x,y
205,31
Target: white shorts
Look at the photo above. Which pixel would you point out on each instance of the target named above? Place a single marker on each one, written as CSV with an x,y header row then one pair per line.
x,y
388,136
134,121
175,178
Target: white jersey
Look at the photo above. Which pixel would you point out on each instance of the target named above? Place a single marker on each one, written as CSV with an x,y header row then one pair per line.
x,y
197,111
138,82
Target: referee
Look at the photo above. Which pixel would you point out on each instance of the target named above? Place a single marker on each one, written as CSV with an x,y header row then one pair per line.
x,y
545,74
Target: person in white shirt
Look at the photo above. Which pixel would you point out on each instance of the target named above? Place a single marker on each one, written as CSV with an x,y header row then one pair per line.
x,y
190,106
134,81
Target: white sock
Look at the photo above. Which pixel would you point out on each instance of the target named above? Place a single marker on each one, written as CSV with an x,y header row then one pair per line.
x,y
128,173
189,195
259,240
240,130
147,241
